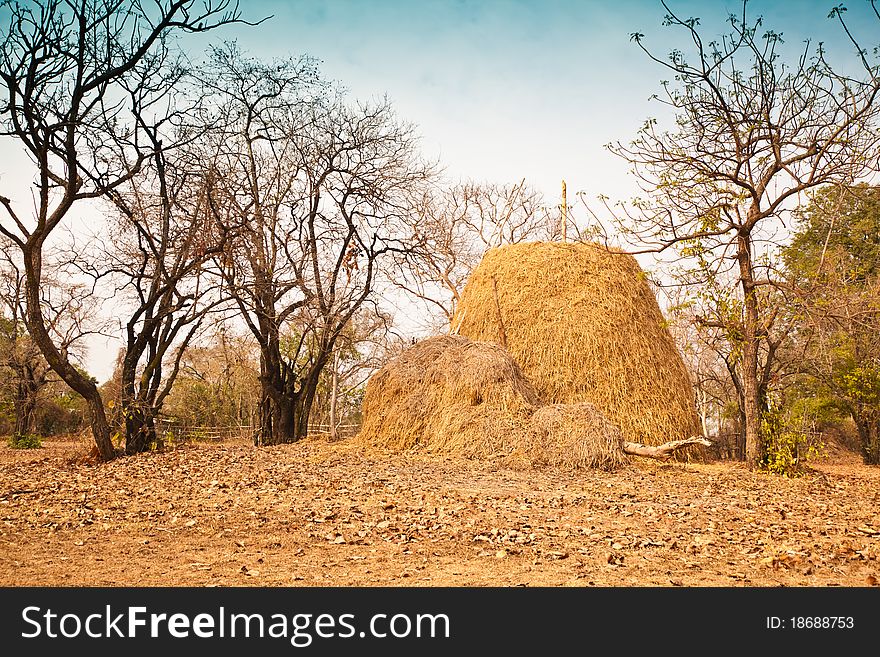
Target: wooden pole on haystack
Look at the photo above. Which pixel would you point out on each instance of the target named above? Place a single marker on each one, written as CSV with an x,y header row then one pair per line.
x,y
564,215
502,333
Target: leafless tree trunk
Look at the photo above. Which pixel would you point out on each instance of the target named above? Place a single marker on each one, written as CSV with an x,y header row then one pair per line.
x,y
666,450
166,236
334,392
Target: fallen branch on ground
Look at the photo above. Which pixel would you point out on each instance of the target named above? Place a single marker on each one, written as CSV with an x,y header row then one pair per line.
x,y
664,451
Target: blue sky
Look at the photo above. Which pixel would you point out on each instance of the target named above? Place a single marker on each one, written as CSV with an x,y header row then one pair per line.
x,y
506,89
500,90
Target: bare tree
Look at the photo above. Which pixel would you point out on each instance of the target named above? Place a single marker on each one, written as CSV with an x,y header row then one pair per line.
x,y
70,309
359,351
752,132
81,80
164,237
452,230
321,188
700,322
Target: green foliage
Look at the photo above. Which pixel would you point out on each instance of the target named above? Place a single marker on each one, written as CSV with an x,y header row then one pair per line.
x,y
196,403
198,434
218,385
834,263
861,383
789,438
730,411
818,409
7,410
840,230
25,381
118,440
61,412
25,441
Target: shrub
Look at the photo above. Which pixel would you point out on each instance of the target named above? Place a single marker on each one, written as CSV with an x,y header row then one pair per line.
x,y
25,441
789,439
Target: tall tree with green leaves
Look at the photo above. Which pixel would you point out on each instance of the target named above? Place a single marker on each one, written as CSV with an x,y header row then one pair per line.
x,y
753,129
834,265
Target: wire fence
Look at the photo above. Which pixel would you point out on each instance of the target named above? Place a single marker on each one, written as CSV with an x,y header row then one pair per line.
x,y
342,430
177,432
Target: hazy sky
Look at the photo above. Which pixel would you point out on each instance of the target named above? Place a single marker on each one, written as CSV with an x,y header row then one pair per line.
x,y
502,90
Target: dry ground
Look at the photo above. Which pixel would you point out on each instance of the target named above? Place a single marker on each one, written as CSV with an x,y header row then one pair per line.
x,y
316,514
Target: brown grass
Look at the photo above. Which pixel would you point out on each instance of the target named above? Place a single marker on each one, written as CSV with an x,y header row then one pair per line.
x,y
584,326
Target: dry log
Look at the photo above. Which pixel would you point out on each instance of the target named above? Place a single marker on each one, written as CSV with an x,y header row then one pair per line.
x,y
664,451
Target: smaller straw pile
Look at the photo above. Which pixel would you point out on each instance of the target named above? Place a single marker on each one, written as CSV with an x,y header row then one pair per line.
x,y
575,435
451,395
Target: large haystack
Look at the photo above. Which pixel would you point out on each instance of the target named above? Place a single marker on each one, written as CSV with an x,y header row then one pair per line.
x,y
584,326
452,395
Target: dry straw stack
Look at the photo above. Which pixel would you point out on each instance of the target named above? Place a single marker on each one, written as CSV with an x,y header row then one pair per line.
x,y
447,394
451,395
584,326
576,435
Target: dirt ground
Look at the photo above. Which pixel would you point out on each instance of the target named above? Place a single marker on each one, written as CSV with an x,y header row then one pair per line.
x,y
319,514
